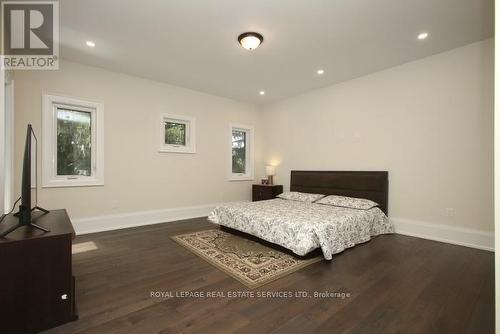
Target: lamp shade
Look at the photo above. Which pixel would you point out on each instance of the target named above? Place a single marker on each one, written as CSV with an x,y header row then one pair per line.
x,y
270,170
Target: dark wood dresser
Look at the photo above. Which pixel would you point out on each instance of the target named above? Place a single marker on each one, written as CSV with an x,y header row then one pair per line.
x,y
262,192
37,287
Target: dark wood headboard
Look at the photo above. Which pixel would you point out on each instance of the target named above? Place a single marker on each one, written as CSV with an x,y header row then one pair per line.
x,y
370,185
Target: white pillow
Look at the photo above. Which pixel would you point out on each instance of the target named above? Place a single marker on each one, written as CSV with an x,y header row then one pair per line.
x,y
300,197
347,202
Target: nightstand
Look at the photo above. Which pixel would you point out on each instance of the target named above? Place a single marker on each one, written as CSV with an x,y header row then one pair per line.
x,y
262,192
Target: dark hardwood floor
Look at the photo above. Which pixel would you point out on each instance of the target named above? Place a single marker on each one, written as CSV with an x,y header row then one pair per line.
x,y
398,284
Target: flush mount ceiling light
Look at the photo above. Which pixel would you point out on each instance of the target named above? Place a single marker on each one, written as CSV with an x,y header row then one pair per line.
x,y
262,92
422,35
320,72
90,44
250,40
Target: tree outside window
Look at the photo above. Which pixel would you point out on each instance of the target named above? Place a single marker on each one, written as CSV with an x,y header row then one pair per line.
x,y
175,133
74,140
239,151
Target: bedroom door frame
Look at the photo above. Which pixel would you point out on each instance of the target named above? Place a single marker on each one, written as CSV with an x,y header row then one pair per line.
x,y
496,170
7,149
2,141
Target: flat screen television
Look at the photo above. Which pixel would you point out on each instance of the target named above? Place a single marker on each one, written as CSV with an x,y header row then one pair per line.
x,y
25,209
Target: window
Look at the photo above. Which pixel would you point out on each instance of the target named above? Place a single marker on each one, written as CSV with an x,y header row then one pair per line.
x,y
74,136
73,150
177,133
241,152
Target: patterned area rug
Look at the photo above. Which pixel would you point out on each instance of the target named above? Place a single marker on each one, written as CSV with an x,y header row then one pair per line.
x,y
248,261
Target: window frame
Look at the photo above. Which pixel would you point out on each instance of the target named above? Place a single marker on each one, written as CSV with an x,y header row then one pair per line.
x,y
249,155
51,103
190,123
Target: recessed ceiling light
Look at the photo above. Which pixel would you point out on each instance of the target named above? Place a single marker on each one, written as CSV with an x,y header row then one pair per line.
x,y
90,44
262,92
320,72
422,35
250,40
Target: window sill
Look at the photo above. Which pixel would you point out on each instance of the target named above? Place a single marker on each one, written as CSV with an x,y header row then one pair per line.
x,y
73,183
177,150
241,178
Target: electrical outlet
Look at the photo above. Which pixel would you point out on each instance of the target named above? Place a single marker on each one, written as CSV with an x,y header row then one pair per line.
x,y
450,212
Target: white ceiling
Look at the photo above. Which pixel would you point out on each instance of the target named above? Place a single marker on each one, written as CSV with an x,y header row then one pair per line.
x,y
193,43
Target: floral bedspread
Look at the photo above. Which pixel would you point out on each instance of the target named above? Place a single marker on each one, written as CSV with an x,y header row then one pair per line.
x,y
303,227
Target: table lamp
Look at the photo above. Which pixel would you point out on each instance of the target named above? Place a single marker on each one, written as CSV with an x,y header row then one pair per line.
x,y
270,172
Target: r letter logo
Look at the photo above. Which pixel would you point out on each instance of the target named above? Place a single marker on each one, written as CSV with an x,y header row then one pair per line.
x,y
30,35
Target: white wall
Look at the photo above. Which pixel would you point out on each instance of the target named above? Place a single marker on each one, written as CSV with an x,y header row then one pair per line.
x,y
137,177
497,167
428,122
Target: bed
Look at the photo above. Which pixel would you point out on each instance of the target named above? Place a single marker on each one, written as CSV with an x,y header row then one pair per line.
x,y
302,226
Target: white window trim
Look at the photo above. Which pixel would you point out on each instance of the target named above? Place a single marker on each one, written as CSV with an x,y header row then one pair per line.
x,y
190,134
249,172
49,128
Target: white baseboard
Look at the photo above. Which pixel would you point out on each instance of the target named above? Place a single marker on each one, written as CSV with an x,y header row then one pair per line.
x,y
134,219
446,233
443,233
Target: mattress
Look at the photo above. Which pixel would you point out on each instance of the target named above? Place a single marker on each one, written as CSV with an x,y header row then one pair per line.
x,y
303,227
